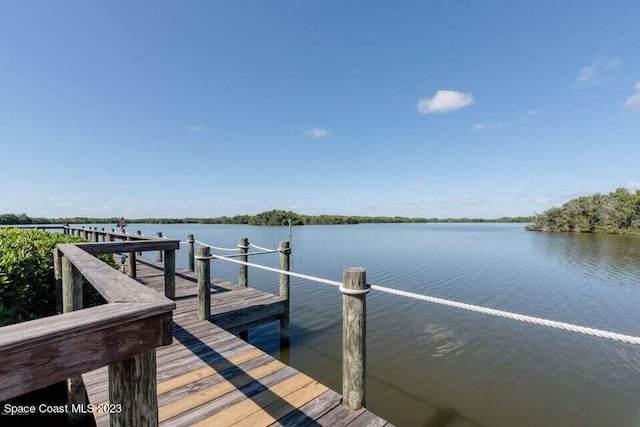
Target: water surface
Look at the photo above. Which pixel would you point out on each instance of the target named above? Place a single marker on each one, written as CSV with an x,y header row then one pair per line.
x,y
433,365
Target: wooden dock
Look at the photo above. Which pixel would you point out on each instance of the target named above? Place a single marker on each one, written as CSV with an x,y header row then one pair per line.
x,y
210,377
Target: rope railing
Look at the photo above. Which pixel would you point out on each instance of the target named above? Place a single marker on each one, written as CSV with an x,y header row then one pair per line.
x,y
260,248
250,254
215,247
628,339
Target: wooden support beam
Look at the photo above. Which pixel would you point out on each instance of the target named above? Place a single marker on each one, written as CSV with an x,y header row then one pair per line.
x,y
170,274
139,233
159,256
243,248
204,288
133,386
354,338
72,301
57,275
191,252
285,281
132,263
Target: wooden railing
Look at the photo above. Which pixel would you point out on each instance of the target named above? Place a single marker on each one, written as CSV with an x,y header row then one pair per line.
x,y
122,334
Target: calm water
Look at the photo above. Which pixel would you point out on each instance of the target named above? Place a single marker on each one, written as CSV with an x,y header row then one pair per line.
x,y
428,363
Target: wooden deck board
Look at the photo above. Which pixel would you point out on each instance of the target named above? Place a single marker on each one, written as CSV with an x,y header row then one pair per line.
x,y
210,377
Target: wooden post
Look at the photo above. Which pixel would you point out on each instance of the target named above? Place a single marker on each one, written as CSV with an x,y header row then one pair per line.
x,y
57,274
95,234
354,337
204,277
71,287
84,233
71,301
109,237
133,386
170,274
243,248
132,263
104,235
191,253
159,257
284,291
139,233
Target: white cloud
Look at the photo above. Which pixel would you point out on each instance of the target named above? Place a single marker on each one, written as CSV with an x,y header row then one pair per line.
x,y
418,187
491,125
200,129
633,185
525,117
597,72
633,102
445,101
318,133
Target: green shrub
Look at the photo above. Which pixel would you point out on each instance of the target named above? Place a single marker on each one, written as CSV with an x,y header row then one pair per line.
x,y
27,287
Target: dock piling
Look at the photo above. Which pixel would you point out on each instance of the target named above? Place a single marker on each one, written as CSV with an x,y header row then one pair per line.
x,y
285,281
243,248
204,277
132,262
354,337
159,256
170,274
191,253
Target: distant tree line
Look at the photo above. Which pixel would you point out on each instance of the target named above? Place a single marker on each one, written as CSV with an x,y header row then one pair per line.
x,y
272,217
615,213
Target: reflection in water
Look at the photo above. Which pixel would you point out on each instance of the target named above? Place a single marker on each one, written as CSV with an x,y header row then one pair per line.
x,y
442,417
443,341
606,257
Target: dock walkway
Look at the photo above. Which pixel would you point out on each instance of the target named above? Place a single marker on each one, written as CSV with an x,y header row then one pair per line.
x,y
210,377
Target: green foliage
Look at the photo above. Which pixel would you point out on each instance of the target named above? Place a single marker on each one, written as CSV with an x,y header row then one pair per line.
x,y
617,212
273,217
27,287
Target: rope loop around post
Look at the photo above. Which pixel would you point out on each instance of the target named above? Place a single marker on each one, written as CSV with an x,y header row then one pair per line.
x,y
348,291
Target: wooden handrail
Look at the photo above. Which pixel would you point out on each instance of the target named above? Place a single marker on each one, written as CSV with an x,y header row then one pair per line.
x,y
134,322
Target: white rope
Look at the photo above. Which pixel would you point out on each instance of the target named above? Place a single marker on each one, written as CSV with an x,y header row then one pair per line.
x,y
260,248
215,247
249,254
514,316
354,291
441,301
275,270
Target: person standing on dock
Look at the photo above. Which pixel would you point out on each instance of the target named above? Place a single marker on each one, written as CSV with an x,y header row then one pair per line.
x,y
122,224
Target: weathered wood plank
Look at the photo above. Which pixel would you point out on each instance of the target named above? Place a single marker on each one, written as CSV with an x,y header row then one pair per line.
x,y
208,371
222,403
55,360
111,284
247,407
246,315
134,244
368,419
308,413
281,407
225,386
339,416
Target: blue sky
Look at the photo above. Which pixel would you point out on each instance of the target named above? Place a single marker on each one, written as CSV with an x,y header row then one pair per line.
x,y
439,108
